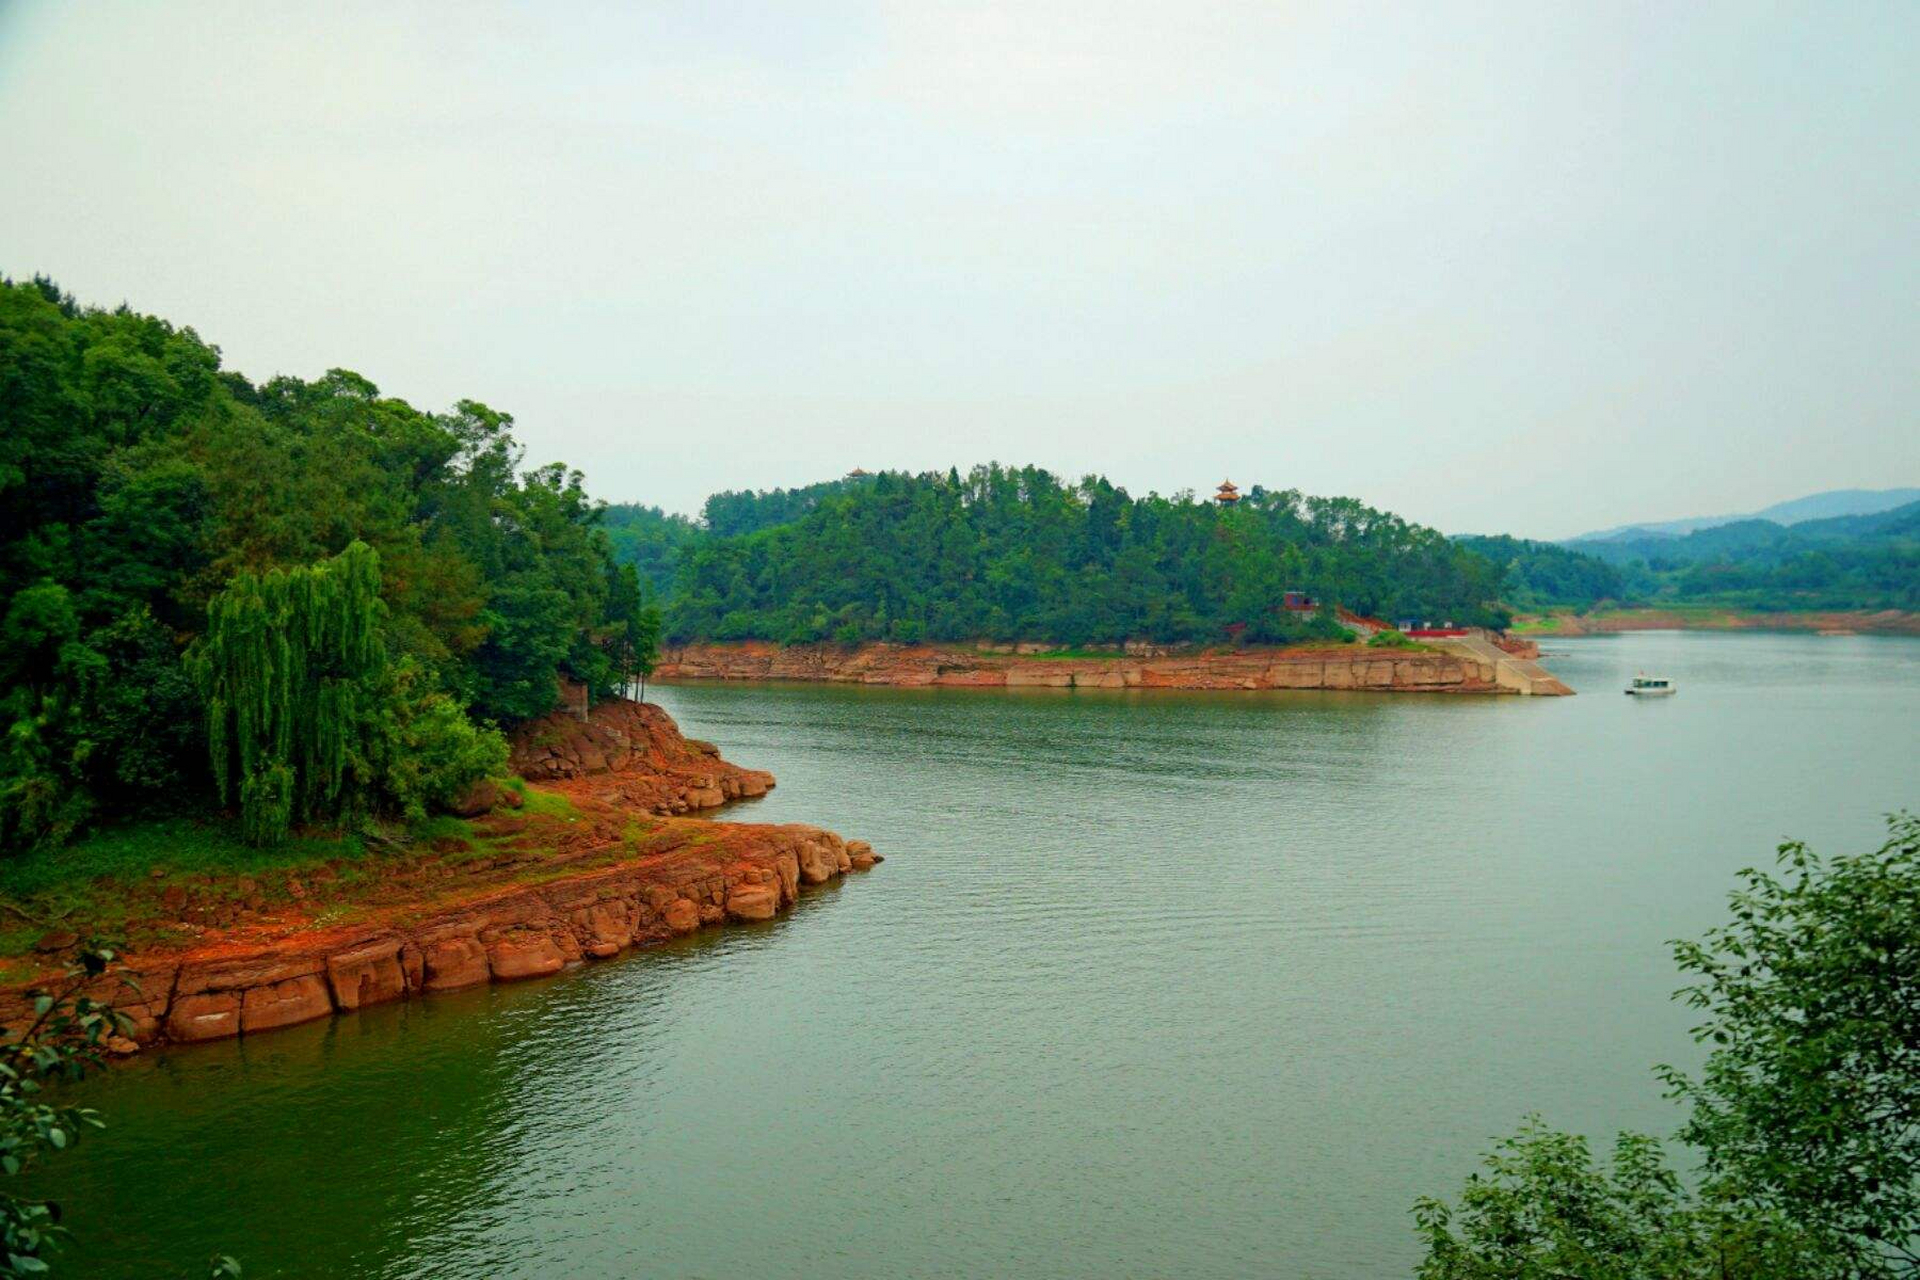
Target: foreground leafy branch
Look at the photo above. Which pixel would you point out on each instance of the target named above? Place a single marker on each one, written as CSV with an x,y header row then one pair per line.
x,y
66,1038
1805,1116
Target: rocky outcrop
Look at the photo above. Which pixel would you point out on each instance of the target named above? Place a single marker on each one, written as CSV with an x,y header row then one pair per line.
x,y
739,873
1353,667
631,753
556,889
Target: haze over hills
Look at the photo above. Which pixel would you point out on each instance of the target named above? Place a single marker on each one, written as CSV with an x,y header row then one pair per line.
x,y
1863,561
1755,537
1815,506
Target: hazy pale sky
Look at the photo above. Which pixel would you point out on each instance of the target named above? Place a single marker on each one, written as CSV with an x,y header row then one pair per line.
x,y
1527,267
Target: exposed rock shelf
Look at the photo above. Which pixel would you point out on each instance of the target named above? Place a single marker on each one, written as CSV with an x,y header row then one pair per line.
x,y
617,871
1338,667
229,988
632,754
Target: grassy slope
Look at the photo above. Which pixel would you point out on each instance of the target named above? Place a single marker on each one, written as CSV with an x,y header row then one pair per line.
x,y
131,884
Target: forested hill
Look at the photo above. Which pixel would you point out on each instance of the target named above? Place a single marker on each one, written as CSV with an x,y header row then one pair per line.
x,y
1843,562
1016,553
739,511
1869,561
1761,541
1545,575
308,597
650,539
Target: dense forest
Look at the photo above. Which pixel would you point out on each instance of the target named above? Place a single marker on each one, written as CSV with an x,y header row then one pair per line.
x,y
650,539
306,597
736,512
170,529
1545,575
1019,554
1016,553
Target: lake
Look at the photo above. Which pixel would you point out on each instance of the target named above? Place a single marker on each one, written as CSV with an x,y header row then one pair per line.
x,y
1150,984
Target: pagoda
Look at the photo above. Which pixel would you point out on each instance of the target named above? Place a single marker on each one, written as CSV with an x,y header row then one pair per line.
x,y
1226,495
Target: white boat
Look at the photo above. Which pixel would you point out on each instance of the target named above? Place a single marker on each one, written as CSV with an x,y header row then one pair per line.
x,y
1651,687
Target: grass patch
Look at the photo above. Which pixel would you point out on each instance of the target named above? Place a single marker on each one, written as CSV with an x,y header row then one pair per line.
x,y
1392,639
547,804
106,885
176,846
133,883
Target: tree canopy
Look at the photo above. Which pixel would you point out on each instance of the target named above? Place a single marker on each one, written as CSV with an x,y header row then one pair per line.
x,y
1803,1117
141,485
1018,554
1841,562
1544,574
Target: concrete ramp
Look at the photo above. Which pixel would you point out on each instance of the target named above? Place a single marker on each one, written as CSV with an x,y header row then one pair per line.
x,y
1522,675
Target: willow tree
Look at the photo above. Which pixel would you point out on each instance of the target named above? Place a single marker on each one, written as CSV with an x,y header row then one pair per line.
x,y
287,665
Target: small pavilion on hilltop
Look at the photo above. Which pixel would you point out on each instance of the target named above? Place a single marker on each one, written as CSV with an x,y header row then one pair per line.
x,y
1226,495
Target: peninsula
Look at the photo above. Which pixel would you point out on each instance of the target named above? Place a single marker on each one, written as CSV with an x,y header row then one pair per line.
x,y
316,699
593,855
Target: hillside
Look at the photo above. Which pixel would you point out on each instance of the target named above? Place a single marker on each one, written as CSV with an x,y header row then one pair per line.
x,y
1815,506
1545,575
1018,554
304,599
1846,562
1764,541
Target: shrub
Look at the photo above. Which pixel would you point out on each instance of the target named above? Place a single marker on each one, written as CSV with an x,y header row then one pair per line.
x,y
428,750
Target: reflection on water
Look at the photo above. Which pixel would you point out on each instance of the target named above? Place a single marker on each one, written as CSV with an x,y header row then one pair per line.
x,y
1199,984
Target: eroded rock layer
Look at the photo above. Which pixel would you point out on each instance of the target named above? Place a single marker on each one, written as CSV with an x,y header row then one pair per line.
x,y
227,988
1338,667
555,885
632,753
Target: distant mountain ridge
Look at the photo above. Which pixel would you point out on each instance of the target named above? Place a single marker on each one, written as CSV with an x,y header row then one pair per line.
x,y
1815,506
1866,561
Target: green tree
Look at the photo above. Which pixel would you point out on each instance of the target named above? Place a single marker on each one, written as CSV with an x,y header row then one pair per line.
x,y
1804,1116
1809,1102
288,665
1017,554
631,634
1545,1210
139,482
426,751
66,1038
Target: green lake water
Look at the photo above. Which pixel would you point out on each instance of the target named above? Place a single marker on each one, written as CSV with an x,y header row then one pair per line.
x,y
1150,984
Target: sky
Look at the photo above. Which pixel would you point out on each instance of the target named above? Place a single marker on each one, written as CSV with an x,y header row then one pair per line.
x,y
1533,268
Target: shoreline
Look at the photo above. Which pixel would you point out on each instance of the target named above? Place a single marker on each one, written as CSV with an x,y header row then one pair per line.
x,y
1894,622
612,868
1467,665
